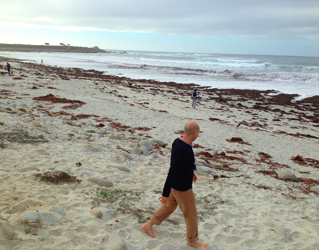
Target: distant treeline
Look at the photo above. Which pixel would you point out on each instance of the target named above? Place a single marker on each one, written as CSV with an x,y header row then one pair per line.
x,y
49,48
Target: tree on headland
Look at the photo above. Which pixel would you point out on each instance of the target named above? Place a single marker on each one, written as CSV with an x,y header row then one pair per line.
x,y
62,44
47,43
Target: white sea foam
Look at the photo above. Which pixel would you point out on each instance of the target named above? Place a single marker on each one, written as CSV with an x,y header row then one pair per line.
x,y
285,74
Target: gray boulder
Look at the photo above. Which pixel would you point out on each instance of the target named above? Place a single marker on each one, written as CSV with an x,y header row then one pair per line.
x,y
287,175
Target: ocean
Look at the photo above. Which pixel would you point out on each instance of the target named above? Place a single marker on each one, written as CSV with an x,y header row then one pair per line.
x,y
286,74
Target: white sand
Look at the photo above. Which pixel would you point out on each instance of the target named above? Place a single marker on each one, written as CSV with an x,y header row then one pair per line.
x,y
240,216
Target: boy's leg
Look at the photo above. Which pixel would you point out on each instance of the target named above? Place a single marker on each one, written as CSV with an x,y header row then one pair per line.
x,y
165,210
186,202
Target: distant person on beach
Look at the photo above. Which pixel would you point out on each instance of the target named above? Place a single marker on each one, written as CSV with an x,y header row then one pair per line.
x,y
178,187
41,60
8,68
194,97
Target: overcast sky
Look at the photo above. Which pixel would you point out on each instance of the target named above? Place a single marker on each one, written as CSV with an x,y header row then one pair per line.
x,y
277,27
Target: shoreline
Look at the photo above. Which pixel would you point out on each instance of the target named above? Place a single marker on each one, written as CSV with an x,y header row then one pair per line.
x,y
92,126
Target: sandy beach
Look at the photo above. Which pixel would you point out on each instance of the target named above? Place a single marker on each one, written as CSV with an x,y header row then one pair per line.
x,y
110,137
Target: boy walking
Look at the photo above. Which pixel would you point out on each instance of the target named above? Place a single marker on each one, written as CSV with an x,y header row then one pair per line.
x,y
194,97
178,187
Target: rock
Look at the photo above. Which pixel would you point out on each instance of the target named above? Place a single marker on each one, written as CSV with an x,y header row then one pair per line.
x,y
103,132
130,137
100,182
7,229
92,124
128,156
30,168
146,144
63,168
65,118
145,150
122,168
315,189
36,124
201,163
109,128
47,218
156,142
96,212
137,150
111,136
134,144
72,123
58,210
206,170
287,175
282,232
90,131
95,150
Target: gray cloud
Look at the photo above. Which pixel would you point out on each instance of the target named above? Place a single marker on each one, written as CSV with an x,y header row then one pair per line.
x,y
228,18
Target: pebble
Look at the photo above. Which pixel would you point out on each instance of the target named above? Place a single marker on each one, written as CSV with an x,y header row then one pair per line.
x,y
128,156
145,150
206,170
96,212
100,182
72,123
122,168
7,229
36,124
287,175
111,136
103,132
137,150
146,144
95,150
90,131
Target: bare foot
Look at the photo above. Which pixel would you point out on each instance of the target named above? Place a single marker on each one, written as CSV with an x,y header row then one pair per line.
x,y
198,245
147,227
